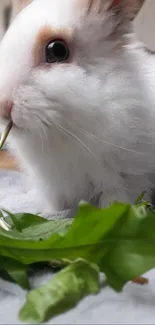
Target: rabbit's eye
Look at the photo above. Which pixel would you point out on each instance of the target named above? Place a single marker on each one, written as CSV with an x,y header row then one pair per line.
x,y
57,51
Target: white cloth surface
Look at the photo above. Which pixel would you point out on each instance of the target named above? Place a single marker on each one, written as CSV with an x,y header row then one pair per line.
x,y
135,305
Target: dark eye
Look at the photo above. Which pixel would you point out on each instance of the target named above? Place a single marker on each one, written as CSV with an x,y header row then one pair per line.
x,y
57,51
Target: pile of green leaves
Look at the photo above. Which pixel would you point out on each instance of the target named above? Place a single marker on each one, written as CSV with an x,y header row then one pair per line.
x,y
118,240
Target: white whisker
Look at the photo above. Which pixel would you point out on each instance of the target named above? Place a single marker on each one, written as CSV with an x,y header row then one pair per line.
x,y
106,142
73,136
111,144
40,133
44,129
76,138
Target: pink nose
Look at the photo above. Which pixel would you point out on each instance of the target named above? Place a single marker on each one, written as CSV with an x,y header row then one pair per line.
x,y
6,109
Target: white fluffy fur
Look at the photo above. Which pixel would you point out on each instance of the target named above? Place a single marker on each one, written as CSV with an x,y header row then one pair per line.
x,y
86,130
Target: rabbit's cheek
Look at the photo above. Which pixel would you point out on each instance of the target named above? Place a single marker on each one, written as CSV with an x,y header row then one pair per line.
x,y
29,107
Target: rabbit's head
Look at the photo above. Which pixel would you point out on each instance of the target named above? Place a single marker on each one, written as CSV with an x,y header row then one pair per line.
x,y
65,63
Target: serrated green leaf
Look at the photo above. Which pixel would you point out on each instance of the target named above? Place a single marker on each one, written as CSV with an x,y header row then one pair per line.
x,y
120,239
61,293
84,237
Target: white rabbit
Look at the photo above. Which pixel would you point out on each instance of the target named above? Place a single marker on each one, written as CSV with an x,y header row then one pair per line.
x,y
80,93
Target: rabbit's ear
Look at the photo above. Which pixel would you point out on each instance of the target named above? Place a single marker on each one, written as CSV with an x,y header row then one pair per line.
x,y
125,8
18,5
128,8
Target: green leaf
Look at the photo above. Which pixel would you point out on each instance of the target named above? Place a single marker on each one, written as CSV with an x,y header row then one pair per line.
x,y
13,221
120,239
22,221
131,248
55,240
1,215
16,270
44,230
61,293
140,198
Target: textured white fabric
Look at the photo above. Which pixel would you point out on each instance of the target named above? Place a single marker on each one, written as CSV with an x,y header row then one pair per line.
x,y
135,305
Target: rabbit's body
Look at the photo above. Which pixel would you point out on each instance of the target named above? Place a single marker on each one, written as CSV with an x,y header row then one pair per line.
x,y
85,129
